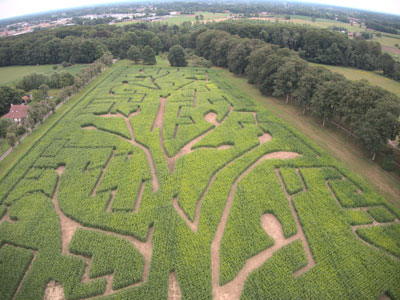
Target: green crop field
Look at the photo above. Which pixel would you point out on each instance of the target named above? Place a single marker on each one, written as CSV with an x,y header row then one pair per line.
x,y
166,183
11,74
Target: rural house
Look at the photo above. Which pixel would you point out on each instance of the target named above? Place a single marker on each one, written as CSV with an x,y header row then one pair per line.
x,y
17,112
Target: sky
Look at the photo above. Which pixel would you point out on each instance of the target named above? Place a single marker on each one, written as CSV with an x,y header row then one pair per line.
x,y
11,8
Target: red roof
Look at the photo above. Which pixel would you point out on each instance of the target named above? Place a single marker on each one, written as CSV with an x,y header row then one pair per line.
x,y
16,112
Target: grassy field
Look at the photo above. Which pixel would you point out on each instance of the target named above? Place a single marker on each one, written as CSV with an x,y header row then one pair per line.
x,y
373,77
9,75
162,183
208,16
321,23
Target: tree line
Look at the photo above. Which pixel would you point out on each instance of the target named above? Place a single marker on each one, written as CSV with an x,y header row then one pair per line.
x,y
372,113
317,45
85,44
10,131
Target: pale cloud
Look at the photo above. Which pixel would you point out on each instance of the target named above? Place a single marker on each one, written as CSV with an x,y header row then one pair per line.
x,y
10,8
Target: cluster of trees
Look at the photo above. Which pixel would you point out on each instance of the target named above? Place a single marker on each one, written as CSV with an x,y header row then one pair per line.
x,y
146,55
34,81
317,45
371,113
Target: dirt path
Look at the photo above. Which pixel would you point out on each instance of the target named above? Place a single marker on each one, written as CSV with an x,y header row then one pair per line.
x,y
53,291
300,234
154,178
374,222
195,223
69,227
187,149
174,292
195,99
60,170
158,121
233,289
139,197
26,272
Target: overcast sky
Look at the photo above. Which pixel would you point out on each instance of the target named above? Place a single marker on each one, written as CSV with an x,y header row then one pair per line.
x,y
11,8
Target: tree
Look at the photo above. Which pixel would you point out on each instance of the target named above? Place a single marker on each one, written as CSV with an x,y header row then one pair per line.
x,y
176,57
288,76
53,81
4,124
31,81
134,54
326,99
156,44
8,96
308,84
11,139
379,124
386,64
45,90
37,95
66,79
149,57
11,135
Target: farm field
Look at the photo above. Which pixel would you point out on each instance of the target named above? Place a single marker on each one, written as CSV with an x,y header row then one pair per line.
x,y
178,19
373,77
321,23
165,183
10,74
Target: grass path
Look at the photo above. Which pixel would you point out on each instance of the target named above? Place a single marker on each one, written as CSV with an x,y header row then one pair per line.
x,y
373,77
336,143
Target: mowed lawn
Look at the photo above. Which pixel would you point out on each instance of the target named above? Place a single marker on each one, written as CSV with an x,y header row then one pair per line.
x,y
11,74
373,77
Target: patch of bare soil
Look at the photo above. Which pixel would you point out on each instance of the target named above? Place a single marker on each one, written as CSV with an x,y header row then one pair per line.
x,y
139,197
6,218
110,202
264,138
102,174
255,118
195,99
211,118
391,49
54,291
272,227
224,147
68,226
174,292
233,289
89,128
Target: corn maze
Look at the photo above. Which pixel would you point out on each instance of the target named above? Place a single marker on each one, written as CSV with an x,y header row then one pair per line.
x,y
165,183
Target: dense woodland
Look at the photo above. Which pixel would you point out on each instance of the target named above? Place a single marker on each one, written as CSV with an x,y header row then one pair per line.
x,y
271,55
